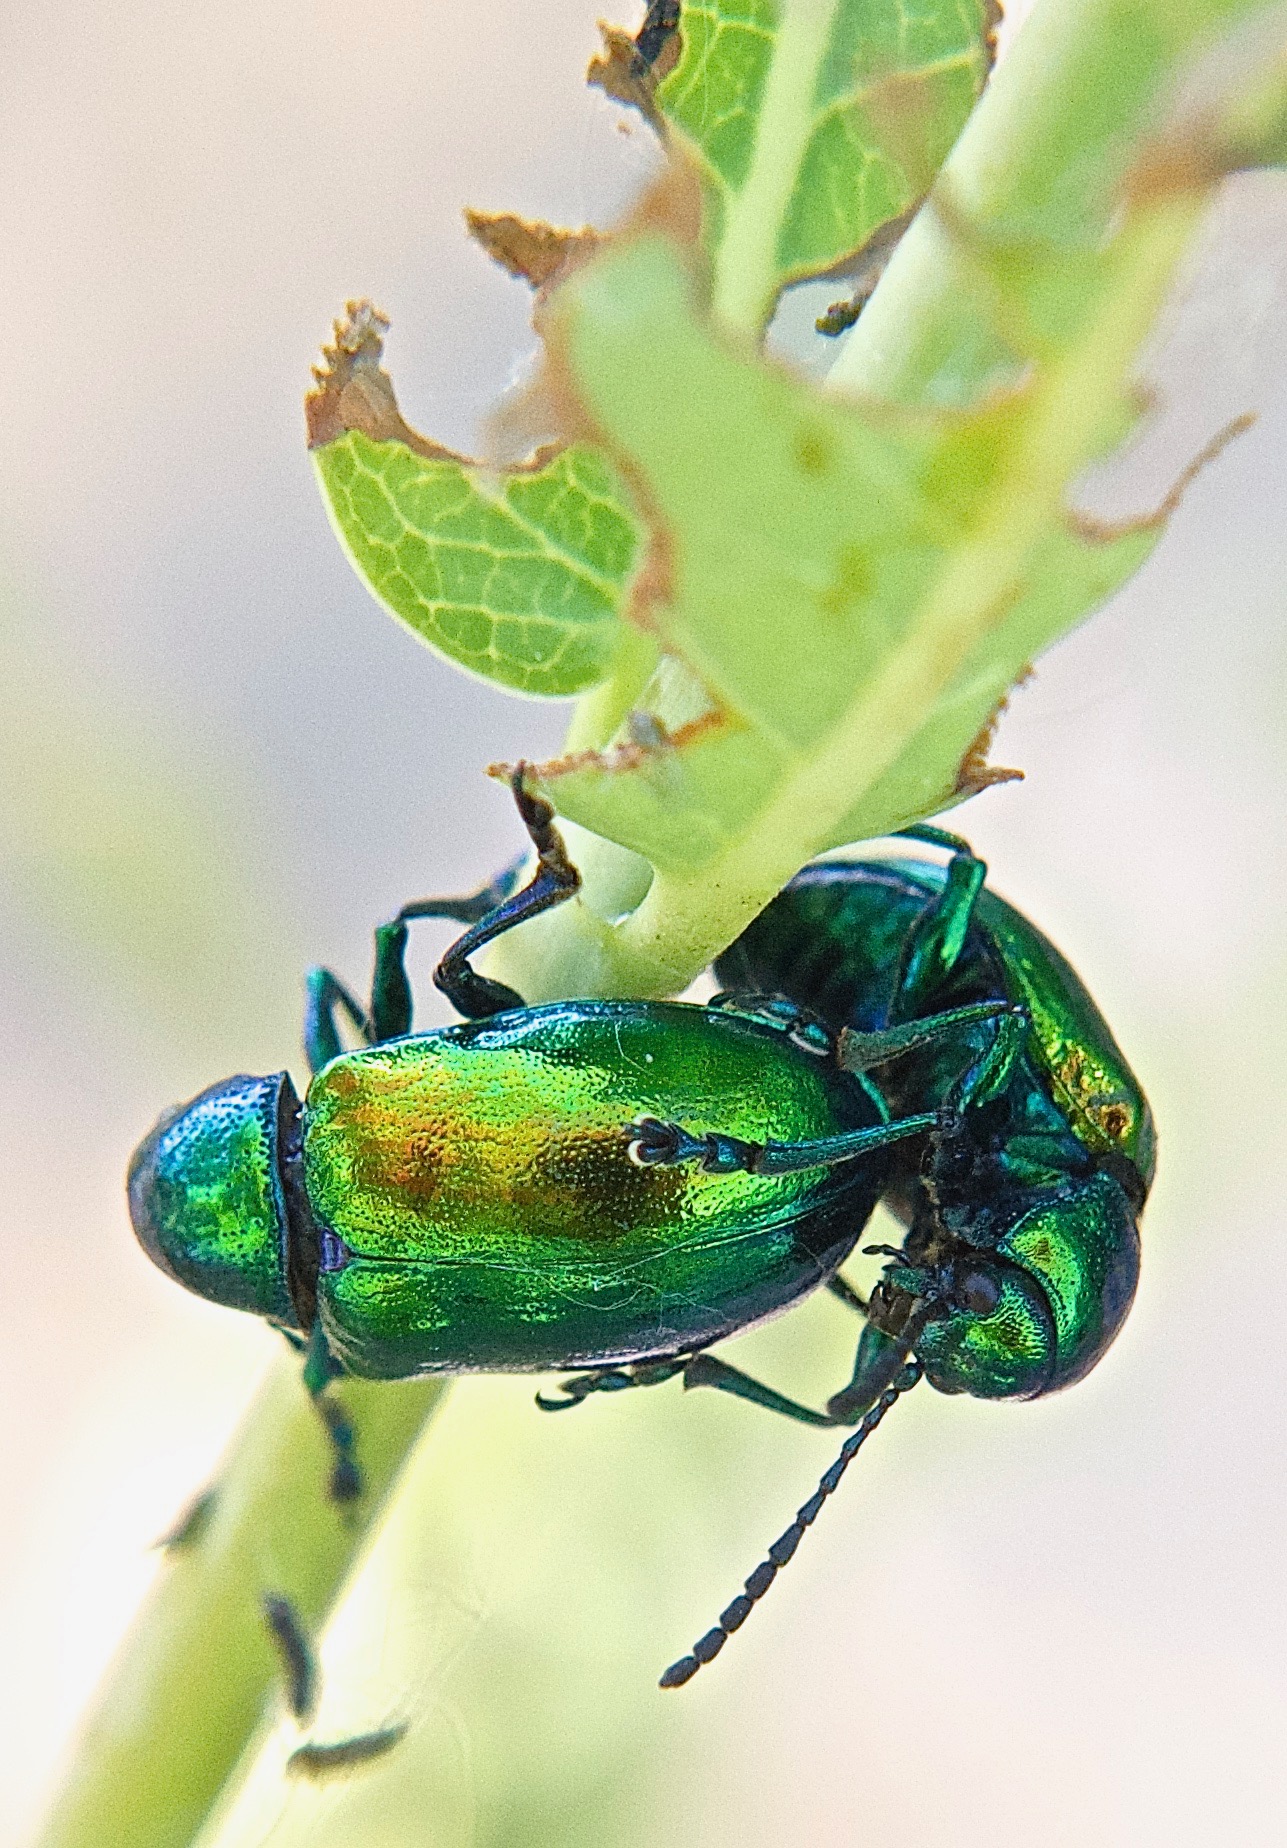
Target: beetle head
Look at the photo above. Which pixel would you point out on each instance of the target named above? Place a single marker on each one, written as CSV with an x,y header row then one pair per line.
x,y
995,1336
207,1198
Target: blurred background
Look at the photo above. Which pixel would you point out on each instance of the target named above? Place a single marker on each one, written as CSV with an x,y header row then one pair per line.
x,y
219,762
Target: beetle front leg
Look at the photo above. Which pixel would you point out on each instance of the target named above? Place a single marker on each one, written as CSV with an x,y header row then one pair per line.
x,y
846,1293
876,1365
489,912
391,1005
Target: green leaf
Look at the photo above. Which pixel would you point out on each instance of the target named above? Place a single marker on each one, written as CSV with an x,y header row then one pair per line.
x,y
517,576
853,549
1002,341
814,123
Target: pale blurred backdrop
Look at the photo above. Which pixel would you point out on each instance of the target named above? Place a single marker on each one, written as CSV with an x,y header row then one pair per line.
x,y
1053,1624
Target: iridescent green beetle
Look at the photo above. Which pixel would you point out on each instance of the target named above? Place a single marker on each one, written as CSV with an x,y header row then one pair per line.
x,y
613,1187
1022,1203
1027,1194
494,1196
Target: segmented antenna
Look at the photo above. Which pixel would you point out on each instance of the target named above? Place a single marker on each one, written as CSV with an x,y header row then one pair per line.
x,y
706,1648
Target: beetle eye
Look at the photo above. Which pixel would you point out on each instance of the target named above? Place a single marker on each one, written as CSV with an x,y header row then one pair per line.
x,y
978,1292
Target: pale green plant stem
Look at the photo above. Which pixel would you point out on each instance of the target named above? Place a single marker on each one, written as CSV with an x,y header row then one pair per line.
x,y
188,1687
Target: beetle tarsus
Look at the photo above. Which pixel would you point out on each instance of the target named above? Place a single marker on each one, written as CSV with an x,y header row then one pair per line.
x,y
578,1386
346,1477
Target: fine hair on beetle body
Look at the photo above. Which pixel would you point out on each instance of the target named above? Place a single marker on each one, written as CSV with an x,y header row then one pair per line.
x,y
607,1189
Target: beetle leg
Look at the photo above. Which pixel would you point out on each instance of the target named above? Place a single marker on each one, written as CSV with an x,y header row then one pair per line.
x,y
554,880
706,1370
390,991
936,837
938,936
861,1052
346,1476
876,1365
846,1294
697,1370
579,1386
318,1759
298,1661
802,1028
990,1070
668,1145
321,1370
324,995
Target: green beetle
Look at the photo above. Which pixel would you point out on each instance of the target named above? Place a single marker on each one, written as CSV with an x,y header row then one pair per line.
x,y
1034,1186
493,1196
613,1187
1022,1204
472,1199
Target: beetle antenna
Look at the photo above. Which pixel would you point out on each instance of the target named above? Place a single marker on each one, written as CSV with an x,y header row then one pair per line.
x,y
708,1647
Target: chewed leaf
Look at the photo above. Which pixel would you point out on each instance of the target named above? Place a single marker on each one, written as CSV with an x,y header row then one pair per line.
x,y
816,125
672,781
796,577
681,798
843,612
526,247
518,576
629,69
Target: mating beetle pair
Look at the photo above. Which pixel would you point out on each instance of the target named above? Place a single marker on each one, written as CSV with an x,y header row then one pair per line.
x,y
609,1188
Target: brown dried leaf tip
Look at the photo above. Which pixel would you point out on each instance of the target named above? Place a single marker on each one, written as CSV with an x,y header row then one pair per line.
x,y
994,19
1097,531
354,392
647,742
975,772
629,69
864,270
529,249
